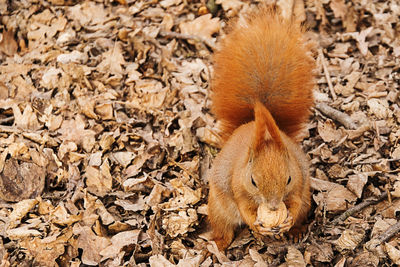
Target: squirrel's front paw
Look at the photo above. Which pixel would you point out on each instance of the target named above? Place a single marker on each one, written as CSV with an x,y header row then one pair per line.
x,y
287,224
263,229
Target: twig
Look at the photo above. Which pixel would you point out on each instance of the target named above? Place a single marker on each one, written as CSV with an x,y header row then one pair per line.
x,y
358,208
327,75
189,37
391,231
337,115
385,236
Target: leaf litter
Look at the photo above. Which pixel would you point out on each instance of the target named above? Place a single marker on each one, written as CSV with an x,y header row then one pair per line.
x,y
106,134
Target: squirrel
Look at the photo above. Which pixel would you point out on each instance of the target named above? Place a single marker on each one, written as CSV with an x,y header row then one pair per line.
x,y
262,95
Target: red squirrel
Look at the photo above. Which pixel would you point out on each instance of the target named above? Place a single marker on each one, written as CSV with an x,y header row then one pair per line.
x,y
262,95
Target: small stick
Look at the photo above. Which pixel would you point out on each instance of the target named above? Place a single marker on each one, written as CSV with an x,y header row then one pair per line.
x,y
389,233
358,208
385,236
189,37
327,75
337,115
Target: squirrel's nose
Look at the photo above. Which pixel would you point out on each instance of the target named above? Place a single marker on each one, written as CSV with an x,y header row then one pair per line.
x,y
274,204
274,208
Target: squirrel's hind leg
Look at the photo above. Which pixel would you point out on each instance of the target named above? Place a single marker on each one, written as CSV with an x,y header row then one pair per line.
x,y
222,218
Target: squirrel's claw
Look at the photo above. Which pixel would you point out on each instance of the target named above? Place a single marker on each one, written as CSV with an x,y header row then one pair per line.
x,y
287,224
276,230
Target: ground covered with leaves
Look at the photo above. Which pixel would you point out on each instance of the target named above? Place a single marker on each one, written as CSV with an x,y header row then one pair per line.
x,y
106,134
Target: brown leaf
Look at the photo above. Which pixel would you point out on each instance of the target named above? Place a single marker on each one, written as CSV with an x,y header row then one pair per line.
x,y
16,181
349,240
356,183
204,26
328,132
119,242
91,244
20,210
74,130
8,45
339,8
333,197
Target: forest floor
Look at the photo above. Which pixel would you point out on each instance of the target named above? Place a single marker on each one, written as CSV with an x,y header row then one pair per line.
x,y
106,134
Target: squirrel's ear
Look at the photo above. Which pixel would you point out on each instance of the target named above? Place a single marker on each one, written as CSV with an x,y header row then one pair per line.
x,y
265,128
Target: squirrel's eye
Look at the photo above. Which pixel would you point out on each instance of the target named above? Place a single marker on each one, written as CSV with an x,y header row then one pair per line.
x,y
289,180
253,182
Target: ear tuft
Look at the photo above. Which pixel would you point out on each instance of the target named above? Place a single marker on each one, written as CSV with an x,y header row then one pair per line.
x,y
265,128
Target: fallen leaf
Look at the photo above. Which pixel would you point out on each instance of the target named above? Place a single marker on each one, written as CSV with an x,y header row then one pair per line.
x,y
90,244
204,26
349,240
8,45
16,181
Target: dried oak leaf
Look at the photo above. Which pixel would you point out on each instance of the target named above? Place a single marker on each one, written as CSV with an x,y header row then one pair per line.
x,y
204,26
8,45
294,258
16,181
160,260
339,8
356,183
113,60
27,229
46,250
184,195
334,197
393,253
365,259
119,242
99,181
20,209
91,244
87,13
42,32
381,225
327,131
61,216
379,107
320,252
234,5
179,223
26,120
168,3
74,130
349,240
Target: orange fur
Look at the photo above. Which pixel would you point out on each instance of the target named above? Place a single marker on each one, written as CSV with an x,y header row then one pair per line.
x,y
264,121
266,60
262,94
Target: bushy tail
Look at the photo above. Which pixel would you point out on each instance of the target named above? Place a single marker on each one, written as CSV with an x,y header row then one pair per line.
x,y
264,59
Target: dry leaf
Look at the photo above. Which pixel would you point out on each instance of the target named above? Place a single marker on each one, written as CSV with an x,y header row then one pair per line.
x,y
204,26
16,181
180,223
20,210
119,242
349,240
328,132
90,244
393,253
294,257
339,8
8,45
333,197
356,183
